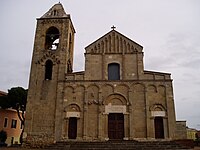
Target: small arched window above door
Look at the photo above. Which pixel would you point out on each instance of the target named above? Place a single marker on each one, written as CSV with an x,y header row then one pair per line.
x,y
113,71
48,70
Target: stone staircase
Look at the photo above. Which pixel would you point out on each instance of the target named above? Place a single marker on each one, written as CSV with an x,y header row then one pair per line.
x,y
117,145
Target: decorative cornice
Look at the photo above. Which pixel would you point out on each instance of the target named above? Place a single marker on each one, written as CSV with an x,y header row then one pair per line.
x,y
46,56
52,21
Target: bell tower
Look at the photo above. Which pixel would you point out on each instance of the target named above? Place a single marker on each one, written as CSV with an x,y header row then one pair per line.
x,y
52,58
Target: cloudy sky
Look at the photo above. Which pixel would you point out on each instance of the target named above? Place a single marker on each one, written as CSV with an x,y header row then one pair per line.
x,y
168,30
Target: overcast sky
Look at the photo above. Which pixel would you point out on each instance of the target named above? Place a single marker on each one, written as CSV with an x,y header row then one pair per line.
x,y
168,30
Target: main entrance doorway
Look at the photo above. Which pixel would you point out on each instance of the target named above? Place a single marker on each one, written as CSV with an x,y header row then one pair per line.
x,y
159,129
116,126
72,128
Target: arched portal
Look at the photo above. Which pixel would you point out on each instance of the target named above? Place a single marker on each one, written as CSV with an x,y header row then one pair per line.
x,y
117,118
158,112
72,115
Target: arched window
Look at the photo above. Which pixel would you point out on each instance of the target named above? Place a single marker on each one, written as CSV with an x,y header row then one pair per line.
x,y
52,38
113,71
70,44
48,70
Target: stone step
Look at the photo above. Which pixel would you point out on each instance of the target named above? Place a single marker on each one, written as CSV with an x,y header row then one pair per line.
x,y
116,145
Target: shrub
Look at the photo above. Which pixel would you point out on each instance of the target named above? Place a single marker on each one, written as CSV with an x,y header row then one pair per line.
x,y
3,136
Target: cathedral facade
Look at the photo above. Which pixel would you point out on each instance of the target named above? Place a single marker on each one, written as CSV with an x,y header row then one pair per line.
x,y
114,98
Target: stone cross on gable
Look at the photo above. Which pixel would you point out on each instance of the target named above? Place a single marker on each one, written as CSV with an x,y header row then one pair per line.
x,y
113,27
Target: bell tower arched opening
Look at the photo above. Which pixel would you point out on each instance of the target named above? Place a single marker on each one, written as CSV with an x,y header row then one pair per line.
x,y
52,38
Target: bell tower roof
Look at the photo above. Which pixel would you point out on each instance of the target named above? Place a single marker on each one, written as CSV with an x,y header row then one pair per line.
x,y
57,11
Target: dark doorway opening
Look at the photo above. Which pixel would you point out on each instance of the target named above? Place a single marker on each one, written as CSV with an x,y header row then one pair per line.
x,y
72,128
159,129
116,126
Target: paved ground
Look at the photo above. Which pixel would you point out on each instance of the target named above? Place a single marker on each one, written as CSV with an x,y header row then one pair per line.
x,y
12,148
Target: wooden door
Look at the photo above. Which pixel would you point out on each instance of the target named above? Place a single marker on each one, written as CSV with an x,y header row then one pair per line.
x,y
116,126
72,128
159,129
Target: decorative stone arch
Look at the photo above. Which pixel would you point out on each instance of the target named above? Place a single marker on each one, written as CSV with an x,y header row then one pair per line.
x,y
93,93
138,87
113,62
122,89
158,113
69,86
123,84
72,110
79,86
115,103
107,84
68,93
157,106
162,89
151,88
79,93
71,122
158,110
93,85
162,86
48,56
115,99
107,89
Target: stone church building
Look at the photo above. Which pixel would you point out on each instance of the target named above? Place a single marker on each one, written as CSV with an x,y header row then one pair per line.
x,y
114,98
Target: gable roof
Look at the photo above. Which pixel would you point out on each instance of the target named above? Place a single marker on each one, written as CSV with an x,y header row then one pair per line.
x,y
57,11
113,42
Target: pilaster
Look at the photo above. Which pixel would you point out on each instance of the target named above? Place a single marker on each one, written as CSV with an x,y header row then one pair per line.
x,y
85,117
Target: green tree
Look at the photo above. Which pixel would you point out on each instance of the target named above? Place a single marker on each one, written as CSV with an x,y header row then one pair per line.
x,y
4,102
16,99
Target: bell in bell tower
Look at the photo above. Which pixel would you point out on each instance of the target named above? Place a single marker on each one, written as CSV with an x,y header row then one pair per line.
x,y
52,58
